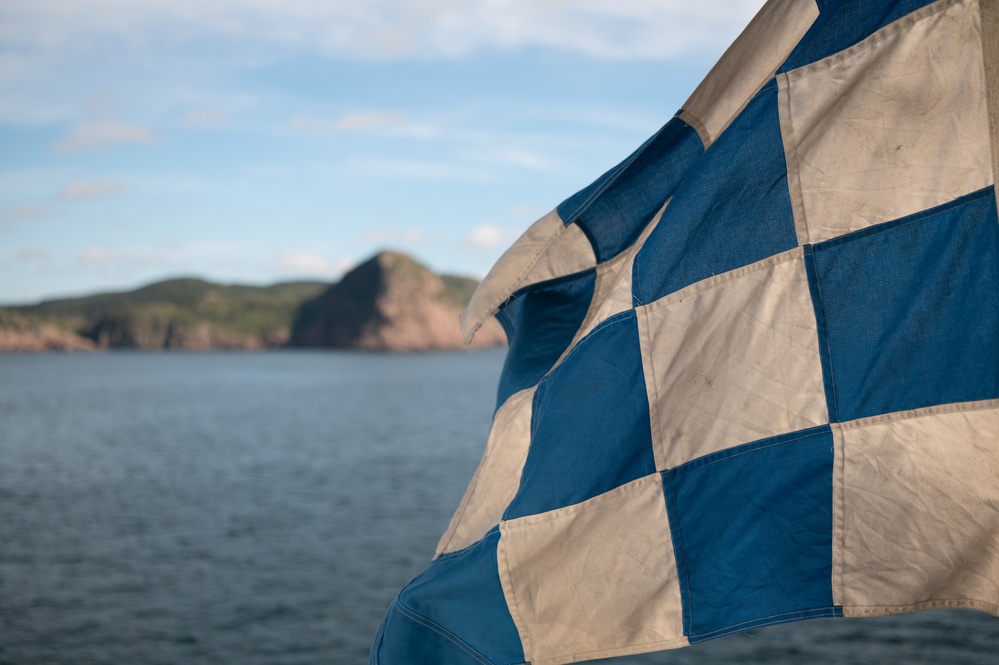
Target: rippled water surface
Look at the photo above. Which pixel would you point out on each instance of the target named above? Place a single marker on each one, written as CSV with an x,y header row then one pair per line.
x,y
263,509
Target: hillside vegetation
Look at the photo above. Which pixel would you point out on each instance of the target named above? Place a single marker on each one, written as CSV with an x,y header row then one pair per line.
x,y
196,314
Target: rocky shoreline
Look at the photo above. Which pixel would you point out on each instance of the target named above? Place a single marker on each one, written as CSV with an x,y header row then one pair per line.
x,y
390,302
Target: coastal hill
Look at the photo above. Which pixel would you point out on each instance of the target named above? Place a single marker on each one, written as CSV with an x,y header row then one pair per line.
x,y
22,333
175,314
390,302
379,301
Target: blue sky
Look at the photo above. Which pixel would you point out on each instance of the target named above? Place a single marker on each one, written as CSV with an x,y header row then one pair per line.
x,y
256,141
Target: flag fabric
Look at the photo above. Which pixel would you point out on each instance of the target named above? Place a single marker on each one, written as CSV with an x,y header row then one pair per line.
x,y
753,371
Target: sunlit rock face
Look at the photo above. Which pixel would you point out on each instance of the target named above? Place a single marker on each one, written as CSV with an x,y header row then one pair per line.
x,y
390,303
19,333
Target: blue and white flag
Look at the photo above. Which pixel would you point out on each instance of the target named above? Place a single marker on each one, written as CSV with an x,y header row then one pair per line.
x,y
753,373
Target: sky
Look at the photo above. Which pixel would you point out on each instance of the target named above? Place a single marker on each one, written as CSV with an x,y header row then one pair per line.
x,y
257,141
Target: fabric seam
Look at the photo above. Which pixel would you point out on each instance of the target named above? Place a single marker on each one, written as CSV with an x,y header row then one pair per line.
x,y
988,25
689,618
804,614
529,521
825,327
698,464
791,160
922,412
902,222
714,281
443,632
645,348
839,511
940,603
901,24
630,649
511,598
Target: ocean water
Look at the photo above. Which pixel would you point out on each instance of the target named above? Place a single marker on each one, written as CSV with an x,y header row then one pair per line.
x,y
264,509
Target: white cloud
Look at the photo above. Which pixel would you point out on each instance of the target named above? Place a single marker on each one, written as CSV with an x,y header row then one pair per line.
x,y
100,134
490,235
364,122
529,212
204,118
22,214
525,159
384,29
91,189
412,236
308,263
32,256
168,255
417,169
99,255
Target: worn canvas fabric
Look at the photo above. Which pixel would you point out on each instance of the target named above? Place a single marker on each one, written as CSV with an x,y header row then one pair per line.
x,y
753,373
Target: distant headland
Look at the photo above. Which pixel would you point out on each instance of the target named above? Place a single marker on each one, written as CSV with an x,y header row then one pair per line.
x,y
390,302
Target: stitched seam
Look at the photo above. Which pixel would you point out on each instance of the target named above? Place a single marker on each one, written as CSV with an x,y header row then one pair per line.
x,y
577,341
514,284
535,399
443,632
463,506
804,614
924,412
554,282
636,286
655,427
939,602
698,126
885,227
698,464
530,521
599,284
538,410
588,234
901,24
683,553
988,27
515,614
536,414
636,278
715,281
622,317
839,520
675,640
463,552
791,158
842,517
612,179
825,327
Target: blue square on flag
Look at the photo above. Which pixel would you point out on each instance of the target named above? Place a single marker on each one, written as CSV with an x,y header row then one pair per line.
x,y
752,532
910,310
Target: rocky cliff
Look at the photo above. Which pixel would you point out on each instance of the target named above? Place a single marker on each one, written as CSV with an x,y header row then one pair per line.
x,y
390,303
20,333
161,328
184,313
